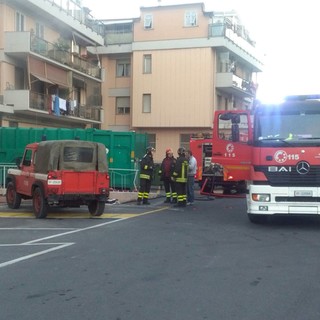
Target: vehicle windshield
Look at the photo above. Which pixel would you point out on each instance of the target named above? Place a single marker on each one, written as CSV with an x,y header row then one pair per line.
x,y
288,127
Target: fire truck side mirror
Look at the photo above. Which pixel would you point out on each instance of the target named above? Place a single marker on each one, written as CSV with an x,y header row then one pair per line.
x,y
226,116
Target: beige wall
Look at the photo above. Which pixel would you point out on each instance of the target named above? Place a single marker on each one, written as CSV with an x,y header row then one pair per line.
x,y
169,138
7,23
168,23
111,86
181,88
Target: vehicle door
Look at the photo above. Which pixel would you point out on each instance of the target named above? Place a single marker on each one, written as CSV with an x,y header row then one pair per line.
x,y
24,182
232,134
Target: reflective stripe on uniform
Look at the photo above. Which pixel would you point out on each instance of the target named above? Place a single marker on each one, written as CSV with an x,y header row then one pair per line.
x,y
144,176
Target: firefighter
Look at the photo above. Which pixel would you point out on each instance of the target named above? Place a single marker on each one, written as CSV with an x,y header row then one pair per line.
x,y
146,172
165,173
180,175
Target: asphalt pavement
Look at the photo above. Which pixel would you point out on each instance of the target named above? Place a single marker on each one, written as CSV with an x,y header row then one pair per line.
x,y
158,262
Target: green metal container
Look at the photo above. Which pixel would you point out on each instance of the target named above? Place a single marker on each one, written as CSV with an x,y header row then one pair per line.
x,y
124,148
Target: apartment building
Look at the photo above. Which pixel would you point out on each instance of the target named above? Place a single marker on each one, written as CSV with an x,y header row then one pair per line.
x,y
48,78
169,69
164,72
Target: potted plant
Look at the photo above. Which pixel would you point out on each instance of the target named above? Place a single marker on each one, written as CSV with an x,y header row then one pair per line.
x,y
61,51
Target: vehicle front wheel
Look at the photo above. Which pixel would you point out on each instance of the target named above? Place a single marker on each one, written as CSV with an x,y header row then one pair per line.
x,y
13,198
39,203
96,208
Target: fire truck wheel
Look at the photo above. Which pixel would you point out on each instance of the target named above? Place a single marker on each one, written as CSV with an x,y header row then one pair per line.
x,y
96,208
257,218
39,203
13,198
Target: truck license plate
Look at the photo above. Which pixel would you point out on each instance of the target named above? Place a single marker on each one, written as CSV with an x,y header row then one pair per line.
x,y
303,193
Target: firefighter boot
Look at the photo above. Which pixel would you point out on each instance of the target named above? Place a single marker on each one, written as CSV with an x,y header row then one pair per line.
x,y
168,200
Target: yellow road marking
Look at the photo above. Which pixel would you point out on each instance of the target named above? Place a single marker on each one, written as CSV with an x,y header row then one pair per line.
x,y
78,215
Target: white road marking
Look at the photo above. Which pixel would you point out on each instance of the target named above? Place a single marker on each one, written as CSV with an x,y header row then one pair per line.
x,y
37,228
37,242
30,256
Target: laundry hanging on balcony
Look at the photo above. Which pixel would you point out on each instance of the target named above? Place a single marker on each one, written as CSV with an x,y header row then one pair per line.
x,y
56,105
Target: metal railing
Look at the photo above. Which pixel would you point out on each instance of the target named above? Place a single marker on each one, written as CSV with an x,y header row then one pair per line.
x,y
39,101
3,173
120,179
123,179
75,10
64,56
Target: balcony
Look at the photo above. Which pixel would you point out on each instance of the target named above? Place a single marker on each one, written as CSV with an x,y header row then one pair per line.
x,y
65,16
40,105
222,35
118,37
22,43
231,84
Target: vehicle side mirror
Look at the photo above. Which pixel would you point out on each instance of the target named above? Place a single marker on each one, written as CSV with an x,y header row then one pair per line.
x,y
18,162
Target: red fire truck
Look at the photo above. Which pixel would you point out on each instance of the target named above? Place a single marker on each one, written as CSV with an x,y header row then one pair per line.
x,y
275,149
201,147
210,175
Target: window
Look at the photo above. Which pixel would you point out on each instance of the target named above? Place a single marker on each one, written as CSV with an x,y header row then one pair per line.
x,y
146,103
78,154
185,140
147,63
123,68
148,21
233,128
152,140
40,30
20,21
27,158
123,105
190,19
13,124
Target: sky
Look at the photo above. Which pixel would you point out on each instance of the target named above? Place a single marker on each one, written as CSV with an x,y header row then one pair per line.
x,y
286,33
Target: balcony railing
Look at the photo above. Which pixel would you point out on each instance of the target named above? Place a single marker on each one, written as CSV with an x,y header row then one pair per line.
x,y
25,100
62,55
240,39
116,37
75,10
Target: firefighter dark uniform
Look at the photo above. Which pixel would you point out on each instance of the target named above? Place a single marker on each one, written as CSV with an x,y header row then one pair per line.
x,y
165,173
180,176
146,172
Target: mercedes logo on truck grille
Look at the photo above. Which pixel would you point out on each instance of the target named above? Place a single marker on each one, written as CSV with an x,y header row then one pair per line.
x,y
303,167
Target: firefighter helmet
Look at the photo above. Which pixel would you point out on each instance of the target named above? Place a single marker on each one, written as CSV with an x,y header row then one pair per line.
x,y
150,149
181,151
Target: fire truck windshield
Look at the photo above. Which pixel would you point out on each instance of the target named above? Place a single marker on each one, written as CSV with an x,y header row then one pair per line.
x,y
288,124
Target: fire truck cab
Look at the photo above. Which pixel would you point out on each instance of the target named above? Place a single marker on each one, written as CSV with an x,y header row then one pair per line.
x,y
275,148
